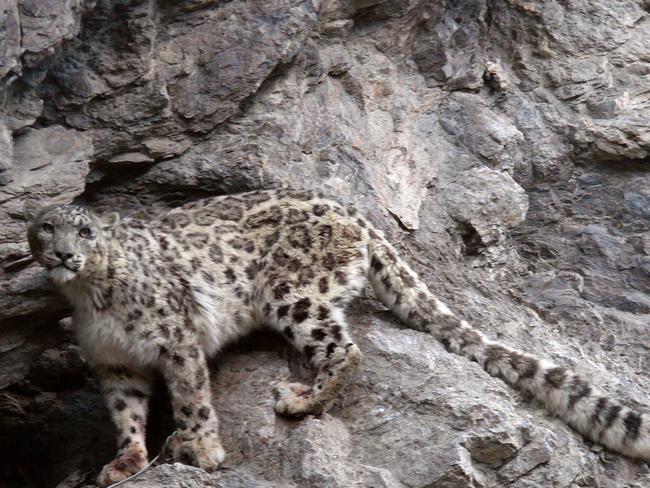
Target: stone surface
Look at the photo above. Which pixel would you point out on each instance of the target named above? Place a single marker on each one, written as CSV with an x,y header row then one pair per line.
x,y
503,146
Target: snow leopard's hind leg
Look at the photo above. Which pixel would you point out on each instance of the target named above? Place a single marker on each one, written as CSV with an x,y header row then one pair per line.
x,y
306,304
564,393
324,340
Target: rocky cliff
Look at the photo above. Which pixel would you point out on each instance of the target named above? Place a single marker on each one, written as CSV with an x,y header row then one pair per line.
x,y
503,145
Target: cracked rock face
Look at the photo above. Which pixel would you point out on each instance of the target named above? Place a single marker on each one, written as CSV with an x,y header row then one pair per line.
x,y
503,147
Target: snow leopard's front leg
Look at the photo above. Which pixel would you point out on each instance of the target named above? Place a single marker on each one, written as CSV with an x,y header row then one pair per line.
x,y
126,393
197,428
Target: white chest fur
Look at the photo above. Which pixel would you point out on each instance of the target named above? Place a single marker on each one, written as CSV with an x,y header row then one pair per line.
x,y
104,340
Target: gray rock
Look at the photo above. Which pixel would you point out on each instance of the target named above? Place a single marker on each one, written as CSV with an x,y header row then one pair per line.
x,y
502,146
6,154
131,158
9,39
487,204
45,24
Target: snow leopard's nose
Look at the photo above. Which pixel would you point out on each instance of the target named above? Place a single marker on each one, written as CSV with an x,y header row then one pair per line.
x,y
63,256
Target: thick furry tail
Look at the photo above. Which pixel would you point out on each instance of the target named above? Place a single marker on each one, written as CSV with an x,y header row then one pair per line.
x,y
563,392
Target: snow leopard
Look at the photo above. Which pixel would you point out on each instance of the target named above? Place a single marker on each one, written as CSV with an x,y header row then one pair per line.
x,y
165,294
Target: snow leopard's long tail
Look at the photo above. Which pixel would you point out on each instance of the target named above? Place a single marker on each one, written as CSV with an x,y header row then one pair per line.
x,y
564,393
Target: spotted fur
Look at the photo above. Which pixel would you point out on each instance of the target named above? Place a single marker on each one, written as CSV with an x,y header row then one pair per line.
x,y
166,294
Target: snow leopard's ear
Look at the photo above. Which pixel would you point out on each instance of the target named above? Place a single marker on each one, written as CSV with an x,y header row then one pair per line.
x,y
109,220
31,209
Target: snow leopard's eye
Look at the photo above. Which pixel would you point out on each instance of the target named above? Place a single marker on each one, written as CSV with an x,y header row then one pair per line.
x,y
48,228
86,233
